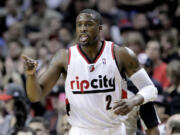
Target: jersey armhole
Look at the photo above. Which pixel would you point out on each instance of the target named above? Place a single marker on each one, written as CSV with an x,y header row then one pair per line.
x,y
122,72
112,50
69,56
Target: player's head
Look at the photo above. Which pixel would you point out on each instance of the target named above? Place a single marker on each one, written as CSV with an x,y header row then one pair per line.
x,y
88,26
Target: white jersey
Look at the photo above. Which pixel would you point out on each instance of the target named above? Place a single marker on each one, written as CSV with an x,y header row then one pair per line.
x,y
92,87
131,122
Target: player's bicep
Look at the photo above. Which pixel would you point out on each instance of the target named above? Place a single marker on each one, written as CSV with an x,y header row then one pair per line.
x,y
130,62
49,78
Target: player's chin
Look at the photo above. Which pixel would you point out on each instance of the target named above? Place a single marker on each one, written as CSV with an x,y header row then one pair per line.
x,y
85,43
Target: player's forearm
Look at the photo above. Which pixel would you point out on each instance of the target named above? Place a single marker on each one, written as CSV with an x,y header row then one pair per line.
x,y
145,86
33,88
137,100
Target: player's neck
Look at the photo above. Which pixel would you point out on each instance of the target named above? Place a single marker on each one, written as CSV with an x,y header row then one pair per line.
x,y
92,50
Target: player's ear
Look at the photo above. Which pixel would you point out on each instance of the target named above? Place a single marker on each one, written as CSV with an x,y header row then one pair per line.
x,y
100,27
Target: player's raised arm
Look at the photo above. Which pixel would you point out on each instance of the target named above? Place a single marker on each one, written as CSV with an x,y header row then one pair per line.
x,y
147,91
38,87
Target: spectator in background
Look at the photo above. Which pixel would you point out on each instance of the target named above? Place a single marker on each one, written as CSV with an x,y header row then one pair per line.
x,y
13,60
141,24
16,108
54,111
166,23
105,34
2,72
16,33
38,20
43,58
173,125
24,131
41,14
153,51
169,47
12,15
135,41
1,112
63,125
30,52
39,125
125,27
66,37
53,25
54,44
173,71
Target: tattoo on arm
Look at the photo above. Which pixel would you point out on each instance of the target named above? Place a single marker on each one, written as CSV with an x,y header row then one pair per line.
x,y
133,65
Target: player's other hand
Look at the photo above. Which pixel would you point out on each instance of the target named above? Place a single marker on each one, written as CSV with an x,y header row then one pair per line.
x,y
30,65
123,107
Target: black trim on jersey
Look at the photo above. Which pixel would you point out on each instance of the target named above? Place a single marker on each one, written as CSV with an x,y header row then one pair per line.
x,y
89,60
68,109
94,91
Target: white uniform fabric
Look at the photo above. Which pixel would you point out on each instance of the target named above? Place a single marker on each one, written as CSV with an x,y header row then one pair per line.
x,y
131,122
91,89
119,130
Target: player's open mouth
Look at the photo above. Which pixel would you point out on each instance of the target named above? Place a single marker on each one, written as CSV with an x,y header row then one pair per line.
x,y
83,38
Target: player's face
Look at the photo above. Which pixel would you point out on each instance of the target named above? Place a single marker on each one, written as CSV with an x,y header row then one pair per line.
x,y
87,29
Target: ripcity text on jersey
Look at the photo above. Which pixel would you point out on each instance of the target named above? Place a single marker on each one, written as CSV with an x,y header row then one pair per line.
x,y
93,87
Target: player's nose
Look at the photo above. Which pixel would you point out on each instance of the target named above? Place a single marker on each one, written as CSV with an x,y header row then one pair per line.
x,y
83,28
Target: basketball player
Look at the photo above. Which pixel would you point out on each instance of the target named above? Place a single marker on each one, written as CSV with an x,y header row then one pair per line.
x,y
93,81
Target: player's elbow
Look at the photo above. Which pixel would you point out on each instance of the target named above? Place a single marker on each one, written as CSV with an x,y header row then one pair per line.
x,y
33,98
155,92
149,93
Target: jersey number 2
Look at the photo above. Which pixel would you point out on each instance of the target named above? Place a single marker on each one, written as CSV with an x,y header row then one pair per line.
x,y
108,100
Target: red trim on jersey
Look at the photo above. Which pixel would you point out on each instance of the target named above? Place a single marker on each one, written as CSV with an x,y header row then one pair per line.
x,y
69,56
67,101
100,52
82,54
112,49
124,94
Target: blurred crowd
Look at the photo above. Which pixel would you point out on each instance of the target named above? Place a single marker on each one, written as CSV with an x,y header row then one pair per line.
x,y
38,28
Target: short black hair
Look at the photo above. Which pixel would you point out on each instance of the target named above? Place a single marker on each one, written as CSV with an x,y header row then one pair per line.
x,y
97,15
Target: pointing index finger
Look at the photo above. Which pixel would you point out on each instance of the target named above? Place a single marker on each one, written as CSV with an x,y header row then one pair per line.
x,y
25,57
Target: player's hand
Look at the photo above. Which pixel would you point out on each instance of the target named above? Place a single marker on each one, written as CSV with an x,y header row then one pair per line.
x,y
123,107
30,65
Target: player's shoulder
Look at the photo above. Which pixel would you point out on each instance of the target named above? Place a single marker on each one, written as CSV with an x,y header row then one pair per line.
x,y
62,52
123,51
61,57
